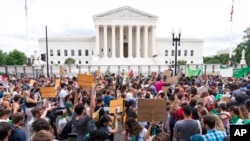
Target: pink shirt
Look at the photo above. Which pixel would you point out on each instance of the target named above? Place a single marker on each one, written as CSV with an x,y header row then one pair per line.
x,y
158,85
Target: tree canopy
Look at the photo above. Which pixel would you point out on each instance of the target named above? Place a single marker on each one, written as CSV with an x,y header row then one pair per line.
x,y
14,57
237,53
70,61
2,58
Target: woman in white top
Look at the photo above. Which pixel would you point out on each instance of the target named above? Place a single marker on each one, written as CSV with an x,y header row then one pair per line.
x,y
134,131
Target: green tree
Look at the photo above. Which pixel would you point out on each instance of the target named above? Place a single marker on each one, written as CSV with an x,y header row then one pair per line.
x,y
70,61
2,57
181,62
218,59
245,44
15,57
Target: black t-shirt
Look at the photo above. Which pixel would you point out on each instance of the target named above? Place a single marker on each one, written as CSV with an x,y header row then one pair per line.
x,y
80,126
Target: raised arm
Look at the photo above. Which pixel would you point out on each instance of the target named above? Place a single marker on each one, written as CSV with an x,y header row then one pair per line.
x,y
92,102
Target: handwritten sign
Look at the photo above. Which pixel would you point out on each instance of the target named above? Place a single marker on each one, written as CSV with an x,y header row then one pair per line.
x,y
48,92
165,89
172,80
153,74
31,83
116,105
58,81
151,108
168,73
85,80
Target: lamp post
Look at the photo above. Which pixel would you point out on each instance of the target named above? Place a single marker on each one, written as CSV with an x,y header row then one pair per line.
x,y
176,40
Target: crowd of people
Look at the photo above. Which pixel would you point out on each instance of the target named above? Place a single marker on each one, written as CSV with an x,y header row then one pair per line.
x,y
197,108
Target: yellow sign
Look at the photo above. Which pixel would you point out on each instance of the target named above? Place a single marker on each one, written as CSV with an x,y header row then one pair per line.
x,y
85,80
98,73
31,83
48,92
116,105
58,81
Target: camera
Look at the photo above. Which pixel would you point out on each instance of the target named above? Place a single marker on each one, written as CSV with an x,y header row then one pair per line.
x,y
52,115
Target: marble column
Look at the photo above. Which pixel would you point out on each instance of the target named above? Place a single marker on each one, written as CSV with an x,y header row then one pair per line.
x,y
113,42
153,46
145,41
138,41
97,48
130,55
121,41
105,48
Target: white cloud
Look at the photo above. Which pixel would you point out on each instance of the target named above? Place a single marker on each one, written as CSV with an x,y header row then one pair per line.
x,y
203,19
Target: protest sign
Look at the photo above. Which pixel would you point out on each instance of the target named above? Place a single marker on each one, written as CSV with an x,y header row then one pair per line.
x,y
48,92
165,89
116,105
168,73
98,73
85,80
57,84
153,74
151,108
31,83
172,80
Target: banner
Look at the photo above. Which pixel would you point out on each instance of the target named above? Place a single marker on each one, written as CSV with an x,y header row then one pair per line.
x,y
238,73
193,72
228,72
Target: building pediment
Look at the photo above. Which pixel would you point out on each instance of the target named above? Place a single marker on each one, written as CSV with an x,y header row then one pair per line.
x,y
125,12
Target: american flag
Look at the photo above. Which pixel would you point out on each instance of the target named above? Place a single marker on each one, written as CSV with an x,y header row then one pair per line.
x,y
26,8
232,11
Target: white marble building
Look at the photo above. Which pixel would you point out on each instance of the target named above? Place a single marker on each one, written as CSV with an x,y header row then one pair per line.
x,y
124,36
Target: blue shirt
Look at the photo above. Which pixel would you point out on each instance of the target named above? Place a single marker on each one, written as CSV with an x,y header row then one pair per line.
x,y
214,135
19,135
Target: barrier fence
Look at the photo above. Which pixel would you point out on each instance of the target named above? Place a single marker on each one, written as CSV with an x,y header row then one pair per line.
x,y
35,71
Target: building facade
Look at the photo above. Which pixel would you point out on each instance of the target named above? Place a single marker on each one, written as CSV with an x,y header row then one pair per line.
x,y
124,36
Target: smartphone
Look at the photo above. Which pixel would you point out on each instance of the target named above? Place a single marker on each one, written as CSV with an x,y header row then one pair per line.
x,y
72,137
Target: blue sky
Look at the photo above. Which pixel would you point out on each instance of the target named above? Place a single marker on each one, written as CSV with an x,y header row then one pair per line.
x,y
208,20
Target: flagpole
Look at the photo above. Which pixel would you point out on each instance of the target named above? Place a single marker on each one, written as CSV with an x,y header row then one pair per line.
x,y
27,26
231,34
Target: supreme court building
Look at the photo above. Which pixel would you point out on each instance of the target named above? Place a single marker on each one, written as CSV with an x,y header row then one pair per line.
x,y
124,36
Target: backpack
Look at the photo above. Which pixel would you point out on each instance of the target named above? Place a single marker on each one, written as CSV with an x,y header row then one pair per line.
x,y
95,115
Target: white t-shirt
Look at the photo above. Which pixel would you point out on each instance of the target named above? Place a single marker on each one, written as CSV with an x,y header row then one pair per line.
x,y
128,96
141,136
62,94
62,122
